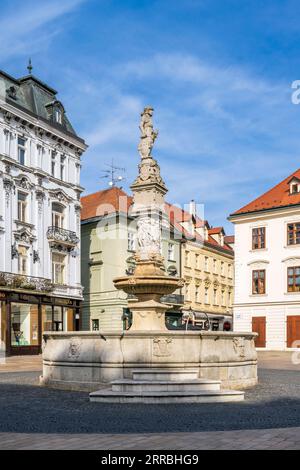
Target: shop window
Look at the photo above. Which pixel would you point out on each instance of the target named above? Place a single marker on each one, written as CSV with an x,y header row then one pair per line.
x,y
24,324
95,325
3,327
47,318
57,318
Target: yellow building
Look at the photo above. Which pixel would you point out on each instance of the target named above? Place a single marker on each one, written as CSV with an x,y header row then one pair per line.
x,y
207,268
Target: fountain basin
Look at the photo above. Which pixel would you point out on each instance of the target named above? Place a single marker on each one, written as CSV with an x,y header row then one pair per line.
x,y
89,360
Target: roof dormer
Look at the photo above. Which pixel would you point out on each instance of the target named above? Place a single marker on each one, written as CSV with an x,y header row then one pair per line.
x,y
56,112
294,185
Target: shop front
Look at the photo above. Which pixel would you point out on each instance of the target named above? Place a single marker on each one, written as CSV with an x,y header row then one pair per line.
x,y
25,317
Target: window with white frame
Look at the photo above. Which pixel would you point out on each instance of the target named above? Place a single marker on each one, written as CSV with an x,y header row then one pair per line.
x,y
215,297
21,150
40,153
206,295
58,268
197,261
206,263
222,268
187,258
62,167
57,215
187,291
131,241
171,252
53,162
197,293
58,115
22,207
223,298
22,260
215,265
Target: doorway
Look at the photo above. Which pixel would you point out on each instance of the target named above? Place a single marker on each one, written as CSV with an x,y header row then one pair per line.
x,y
259,326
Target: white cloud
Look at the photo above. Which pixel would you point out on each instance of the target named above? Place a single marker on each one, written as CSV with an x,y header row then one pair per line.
x,y
220,127
21,23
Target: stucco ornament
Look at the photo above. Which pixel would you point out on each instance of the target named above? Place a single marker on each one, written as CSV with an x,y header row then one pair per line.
x,y
239,346
162,347
74,348
148,236
148,135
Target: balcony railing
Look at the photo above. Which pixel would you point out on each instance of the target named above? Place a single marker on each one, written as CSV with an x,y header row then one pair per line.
x,y
21,281
62,235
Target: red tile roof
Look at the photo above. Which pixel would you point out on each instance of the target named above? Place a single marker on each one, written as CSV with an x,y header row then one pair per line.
x,y
278,196
109,201
229,239
105,202
215,230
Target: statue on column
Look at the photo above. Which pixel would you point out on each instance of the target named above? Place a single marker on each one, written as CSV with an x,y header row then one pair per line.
x,y
148,135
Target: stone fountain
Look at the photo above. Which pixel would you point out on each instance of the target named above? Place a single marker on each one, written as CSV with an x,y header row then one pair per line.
x,y
150,363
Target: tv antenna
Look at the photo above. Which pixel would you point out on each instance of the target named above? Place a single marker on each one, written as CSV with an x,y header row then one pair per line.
x,y
113,174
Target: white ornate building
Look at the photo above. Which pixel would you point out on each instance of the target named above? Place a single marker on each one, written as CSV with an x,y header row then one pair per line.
x,y
267,266
40,153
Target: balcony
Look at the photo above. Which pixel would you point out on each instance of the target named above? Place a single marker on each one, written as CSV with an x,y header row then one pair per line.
x,y
62,236
21,281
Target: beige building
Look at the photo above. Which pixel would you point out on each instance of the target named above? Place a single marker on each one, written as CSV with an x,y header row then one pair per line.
x,y
207,268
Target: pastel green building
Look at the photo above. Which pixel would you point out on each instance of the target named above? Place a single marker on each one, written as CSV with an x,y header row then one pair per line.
x,y
108,238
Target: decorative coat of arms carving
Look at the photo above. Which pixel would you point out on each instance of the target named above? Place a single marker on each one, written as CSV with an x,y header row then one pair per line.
x,y
239,346
74,348
162,346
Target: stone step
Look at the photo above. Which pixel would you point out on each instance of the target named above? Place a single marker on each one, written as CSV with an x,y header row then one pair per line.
x,y
164,385
109,396
165,374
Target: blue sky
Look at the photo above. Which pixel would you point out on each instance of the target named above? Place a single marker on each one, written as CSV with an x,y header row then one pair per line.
x,y
218,74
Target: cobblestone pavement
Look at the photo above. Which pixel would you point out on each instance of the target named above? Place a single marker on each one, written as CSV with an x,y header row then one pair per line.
x,y
37,417
287,439
21,363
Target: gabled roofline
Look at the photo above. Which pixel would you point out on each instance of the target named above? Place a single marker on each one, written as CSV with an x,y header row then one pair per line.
x,y
6,75
39,82
261,211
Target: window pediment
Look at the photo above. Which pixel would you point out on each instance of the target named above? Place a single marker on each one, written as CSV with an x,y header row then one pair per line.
x,y
256,262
